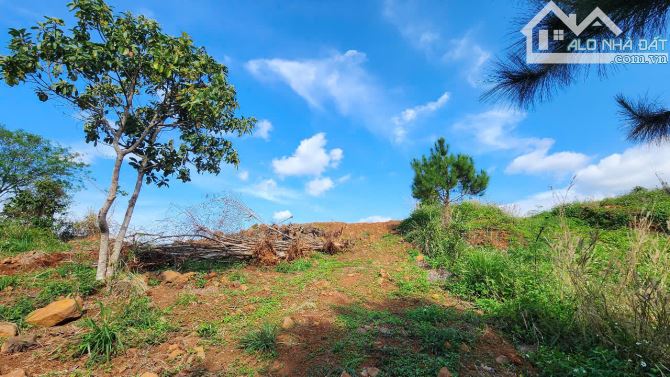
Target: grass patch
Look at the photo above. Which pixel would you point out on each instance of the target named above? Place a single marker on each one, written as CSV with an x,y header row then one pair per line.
x,y
102,340
263,340
298,265
16,238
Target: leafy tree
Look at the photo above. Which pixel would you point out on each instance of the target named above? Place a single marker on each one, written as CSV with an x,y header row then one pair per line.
x,y
26,159
526,84
162,103
441,176
39,205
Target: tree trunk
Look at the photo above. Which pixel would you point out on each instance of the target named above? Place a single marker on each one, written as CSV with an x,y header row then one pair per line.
x,y
118,241
103,253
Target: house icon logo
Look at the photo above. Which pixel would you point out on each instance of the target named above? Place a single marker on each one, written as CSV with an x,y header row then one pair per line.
x,y
603,46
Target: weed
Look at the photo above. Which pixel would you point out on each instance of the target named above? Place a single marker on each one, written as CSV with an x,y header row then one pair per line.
x,y
18,311
263,340
185,299
8,281
298,265
207,330
103,338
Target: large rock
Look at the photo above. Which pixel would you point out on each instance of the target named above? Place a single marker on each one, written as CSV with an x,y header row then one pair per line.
x,y
8,329
56,313
18,343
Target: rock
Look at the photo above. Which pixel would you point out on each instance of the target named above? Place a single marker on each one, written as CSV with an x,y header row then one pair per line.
x,y
18,343
287,323
502,359
148,374
169,276
55,313
8,329
447,345
173,347
464,347
385,331
345,374
243,287
370,372
15,373
199,352
420,258
444,372
175,354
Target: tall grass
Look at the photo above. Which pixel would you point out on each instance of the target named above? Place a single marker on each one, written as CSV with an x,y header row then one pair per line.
x,y
625,300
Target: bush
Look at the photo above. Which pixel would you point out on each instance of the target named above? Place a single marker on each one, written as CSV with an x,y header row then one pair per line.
x,y
425,229
620,212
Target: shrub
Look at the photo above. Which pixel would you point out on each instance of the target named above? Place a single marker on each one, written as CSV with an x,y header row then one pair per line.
x,y
298,265
485,273
425,228
263,340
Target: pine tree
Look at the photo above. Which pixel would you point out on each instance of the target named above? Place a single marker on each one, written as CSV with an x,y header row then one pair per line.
x,y
444,178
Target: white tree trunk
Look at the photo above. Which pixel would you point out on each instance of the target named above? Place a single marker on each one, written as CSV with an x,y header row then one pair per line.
x,y
118,241
103,253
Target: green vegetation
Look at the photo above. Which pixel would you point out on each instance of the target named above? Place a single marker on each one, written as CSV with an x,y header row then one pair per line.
x,y
16,238
588,283
418,341
441,175
102,340
96,63
263,340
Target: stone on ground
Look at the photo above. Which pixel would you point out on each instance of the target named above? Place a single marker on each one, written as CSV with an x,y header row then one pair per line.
x,y
8,329
148,374
444,372
287,323
18,343
56,313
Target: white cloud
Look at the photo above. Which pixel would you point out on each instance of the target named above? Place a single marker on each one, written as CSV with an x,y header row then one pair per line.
x,y
281,216
344,178
375,219
243,175
318,186
310,158
263,128
540,161
493,130
415,27
612,175
411,114
89,153
339,80
269,190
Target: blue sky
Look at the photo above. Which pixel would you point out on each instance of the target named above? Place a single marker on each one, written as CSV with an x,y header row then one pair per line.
x,y
349,92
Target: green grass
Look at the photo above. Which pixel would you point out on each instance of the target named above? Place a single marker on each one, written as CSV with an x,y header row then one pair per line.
x,y
208,330
299,265
16,238
416,336
102,340
519,288
262,340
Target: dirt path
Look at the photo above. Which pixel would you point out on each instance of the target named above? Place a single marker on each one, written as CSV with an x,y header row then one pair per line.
x,y
369,308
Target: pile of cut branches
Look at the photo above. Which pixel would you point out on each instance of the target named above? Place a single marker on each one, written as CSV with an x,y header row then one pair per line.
x,y
200,235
